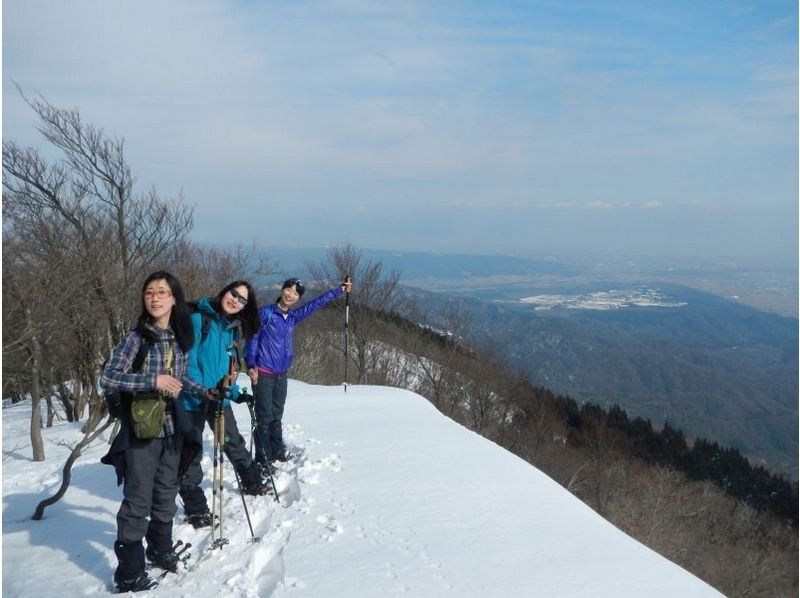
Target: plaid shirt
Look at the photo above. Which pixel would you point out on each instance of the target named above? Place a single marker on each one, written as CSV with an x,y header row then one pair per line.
x,y
117,375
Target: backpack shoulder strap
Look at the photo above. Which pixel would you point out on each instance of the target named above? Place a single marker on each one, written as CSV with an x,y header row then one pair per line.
x,y
138,361
205,326
236,328
205,320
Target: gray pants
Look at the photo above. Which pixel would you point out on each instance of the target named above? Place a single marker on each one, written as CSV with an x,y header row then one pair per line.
x,y
270,399
151,483
193,496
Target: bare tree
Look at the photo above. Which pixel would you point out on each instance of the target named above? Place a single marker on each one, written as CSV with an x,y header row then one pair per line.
x,y
32,295
78,224
91,191
373,296
436,356
204,271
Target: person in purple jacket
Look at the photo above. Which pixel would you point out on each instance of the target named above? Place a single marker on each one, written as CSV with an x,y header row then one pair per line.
x,y
269,357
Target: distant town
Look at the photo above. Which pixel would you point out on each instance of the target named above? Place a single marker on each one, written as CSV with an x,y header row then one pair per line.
x,y
604,300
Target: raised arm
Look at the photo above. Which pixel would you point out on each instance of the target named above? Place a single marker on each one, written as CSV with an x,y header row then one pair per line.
x,y
301,313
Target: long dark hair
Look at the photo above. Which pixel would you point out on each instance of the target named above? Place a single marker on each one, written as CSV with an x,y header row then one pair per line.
x,y
248,316
179,321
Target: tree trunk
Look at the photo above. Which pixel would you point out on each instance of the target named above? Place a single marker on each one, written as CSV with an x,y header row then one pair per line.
x,y
67,400
66,476
50,411
83,395
37,444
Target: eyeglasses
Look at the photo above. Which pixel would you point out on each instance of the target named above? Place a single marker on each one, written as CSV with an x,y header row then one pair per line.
x,y
236,295
158,294
295,282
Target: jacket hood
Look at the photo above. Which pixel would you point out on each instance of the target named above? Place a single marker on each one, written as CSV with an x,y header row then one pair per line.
x,y
204,306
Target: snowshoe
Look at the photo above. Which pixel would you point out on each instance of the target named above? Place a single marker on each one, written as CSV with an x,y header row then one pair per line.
x,y
283,457
198,520
253,484
292,457
141,583
165,559
265,470
181,555
256,488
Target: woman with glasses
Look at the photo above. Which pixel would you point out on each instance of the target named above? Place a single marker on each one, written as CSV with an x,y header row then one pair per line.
x,y
219,325
269,358
148,370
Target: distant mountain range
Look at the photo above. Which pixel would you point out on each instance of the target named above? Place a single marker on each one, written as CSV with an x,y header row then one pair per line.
x,y
768,288
639,332
709,366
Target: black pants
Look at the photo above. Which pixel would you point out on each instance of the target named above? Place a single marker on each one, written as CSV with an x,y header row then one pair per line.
x,y
193,496
151,483
270,399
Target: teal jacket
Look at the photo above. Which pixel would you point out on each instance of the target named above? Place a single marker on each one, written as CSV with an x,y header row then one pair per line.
x,y
209,359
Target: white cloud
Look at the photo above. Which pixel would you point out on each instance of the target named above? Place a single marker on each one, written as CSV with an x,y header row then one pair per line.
x,y
378,103
599,205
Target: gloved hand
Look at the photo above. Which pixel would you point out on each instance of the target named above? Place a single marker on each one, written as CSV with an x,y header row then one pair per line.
x,y
243,397
213,394
114,403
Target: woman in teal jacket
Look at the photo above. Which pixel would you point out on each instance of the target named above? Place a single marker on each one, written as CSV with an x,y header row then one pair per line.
x,y
221,326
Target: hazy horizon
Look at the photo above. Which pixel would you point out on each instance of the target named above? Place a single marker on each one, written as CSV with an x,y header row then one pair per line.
x,y
476,127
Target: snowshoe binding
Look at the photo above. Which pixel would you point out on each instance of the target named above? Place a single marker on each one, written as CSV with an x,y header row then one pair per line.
x,y
142,583
198,520
169,559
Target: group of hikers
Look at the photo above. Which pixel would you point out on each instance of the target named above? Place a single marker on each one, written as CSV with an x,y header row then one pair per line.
x,y
169,376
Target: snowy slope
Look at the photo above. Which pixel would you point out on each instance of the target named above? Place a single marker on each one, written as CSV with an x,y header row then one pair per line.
x,y
390,498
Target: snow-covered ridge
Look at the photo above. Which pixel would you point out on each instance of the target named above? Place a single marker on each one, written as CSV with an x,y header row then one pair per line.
x,y
605,300
390,498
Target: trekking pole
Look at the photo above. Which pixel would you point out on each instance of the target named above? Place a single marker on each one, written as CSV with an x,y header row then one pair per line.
x,y
244,504
253,426
219,445
216,484
214,477
346,324
249,399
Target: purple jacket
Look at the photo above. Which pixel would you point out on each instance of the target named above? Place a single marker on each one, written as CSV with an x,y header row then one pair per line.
x,y
271,347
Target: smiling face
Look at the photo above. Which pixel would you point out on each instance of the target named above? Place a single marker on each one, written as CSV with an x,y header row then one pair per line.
x,y
158,301
234,300
289,297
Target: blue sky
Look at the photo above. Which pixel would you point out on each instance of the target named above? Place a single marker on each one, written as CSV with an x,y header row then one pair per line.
x,y
664,128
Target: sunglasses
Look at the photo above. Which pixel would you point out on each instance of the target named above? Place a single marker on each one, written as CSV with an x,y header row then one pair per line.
x,y
236,295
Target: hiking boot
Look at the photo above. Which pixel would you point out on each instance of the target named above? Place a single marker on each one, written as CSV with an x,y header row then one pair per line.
x,y
141,583
283,457
163,559
255,488
264,470
199,520
130,567
252,482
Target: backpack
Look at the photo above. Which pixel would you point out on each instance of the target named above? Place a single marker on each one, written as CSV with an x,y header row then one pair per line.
x,y
116,400
205,326
205,319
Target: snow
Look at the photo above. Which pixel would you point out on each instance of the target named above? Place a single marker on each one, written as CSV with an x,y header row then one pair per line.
x,y
604,300
390,498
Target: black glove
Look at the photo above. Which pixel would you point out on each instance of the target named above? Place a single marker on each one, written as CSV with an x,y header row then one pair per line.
x,y
114,403
243,397
213,394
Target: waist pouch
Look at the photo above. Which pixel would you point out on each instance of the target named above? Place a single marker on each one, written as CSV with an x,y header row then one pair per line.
x,y
147,415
